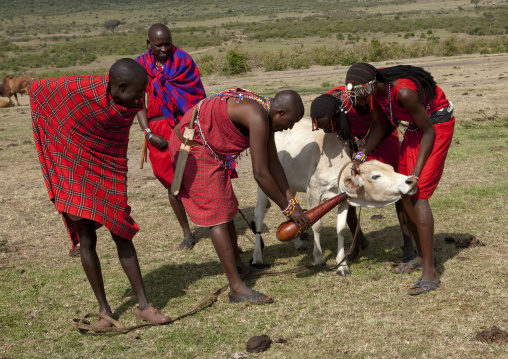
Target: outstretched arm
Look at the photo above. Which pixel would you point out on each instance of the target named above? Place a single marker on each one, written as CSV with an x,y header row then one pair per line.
x,y
266,168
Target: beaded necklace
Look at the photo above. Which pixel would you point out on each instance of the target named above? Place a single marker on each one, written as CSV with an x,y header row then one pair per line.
x,y
412,126
228,161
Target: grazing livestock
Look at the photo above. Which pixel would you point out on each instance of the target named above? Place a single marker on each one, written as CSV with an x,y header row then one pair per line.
x,y
5,102
312,161
13,86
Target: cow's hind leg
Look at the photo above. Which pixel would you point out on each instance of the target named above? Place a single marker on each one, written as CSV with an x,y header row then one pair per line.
x,y
16,97
343,269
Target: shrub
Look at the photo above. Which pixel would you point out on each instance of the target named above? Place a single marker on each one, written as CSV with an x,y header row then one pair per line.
x,y
275,61
209,64
235,62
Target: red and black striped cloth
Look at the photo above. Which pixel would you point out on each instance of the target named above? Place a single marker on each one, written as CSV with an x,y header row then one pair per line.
x,y
81,137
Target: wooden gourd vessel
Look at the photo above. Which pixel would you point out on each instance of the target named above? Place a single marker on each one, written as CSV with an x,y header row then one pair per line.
x,y
288,231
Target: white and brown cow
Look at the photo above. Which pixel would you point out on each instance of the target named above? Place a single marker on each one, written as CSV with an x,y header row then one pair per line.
x,y
312,161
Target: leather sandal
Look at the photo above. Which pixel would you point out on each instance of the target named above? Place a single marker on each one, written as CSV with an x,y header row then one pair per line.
x,y
102,323
152,315
423,286
408,267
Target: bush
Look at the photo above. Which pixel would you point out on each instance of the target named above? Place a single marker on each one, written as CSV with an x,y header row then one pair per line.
x,y
235,62
275,61
209,64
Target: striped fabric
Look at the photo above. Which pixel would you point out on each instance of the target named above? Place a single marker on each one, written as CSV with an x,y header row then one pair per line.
x,y
81,138
176,87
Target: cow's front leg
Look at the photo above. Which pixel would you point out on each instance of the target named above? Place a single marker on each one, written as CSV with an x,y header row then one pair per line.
x,y
259,216
299,244
318,252
343,269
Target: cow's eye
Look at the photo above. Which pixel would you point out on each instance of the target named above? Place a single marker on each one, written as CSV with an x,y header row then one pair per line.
x,y
375,177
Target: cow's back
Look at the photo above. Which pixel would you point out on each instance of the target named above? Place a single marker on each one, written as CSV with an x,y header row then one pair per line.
x,y
310,156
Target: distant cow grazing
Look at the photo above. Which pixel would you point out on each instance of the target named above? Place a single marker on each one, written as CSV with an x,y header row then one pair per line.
x,y
13,86
312,162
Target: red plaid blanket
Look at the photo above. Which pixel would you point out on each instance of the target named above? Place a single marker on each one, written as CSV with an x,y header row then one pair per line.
x,y
81,137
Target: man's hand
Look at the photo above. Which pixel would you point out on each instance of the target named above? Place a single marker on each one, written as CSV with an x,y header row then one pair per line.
x,y
158,142
355,168
300,219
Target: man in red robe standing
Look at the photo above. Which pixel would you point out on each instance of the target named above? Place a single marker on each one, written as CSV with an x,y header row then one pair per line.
x,y
174,87
81,129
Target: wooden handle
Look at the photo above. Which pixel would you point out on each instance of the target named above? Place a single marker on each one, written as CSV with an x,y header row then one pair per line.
x,y
143,153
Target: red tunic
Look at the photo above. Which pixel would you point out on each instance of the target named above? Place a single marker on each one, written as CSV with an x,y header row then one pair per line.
x,y
206,191
81,138
388,150
434,166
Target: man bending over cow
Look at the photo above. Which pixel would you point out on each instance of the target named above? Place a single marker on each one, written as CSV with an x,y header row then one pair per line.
x,y
410,94
81,129
352,120
174,87
226,124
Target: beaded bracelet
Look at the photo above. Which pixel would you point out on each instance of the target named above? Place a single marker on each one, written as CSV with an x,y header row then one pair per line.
x,y
414,176
289,210
360,156
294,201
149,137
147,131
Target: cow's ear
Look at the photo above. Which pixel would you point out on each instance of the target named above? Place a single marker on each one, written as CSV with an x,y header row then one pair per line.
x,y
352,183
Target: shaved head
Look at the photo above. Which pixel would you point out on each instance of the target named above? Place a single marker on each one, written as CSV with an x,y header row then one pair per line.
x,y
158,30
128,71
290,101
160,42
127,82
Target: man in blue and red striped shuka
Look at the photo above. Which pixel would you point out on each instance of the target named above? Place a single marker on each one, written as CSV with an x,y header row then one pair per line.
x,y
81,129
174,87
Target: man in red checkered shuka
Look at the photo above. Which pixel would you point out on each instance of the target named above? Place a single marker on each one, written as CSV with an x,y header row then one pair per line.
x,y
81,129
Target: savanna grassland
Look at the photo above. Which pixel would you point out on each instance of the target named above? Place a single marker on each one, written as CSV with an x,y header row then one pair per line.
x,y
321,315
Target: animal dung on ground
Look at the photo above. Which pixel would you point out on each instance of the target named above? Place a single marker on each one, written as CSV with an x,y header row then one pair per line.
x,y
258,343
471,241
493,336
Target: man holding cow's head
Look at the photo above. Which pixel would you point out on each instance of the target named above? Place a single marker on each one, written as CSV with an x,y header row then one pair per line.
x,y
352,122
410,94
225,125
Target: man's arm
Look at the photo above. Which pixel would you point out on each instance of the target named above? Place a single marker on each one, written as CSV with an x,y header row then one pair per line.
x,y
409,100
155,140
266,168
377,130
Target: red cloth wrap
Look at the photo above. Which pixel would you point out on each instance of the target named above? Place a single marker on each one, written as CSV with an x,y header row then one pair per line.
x,y
388,150
434,166
81,138
206,191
